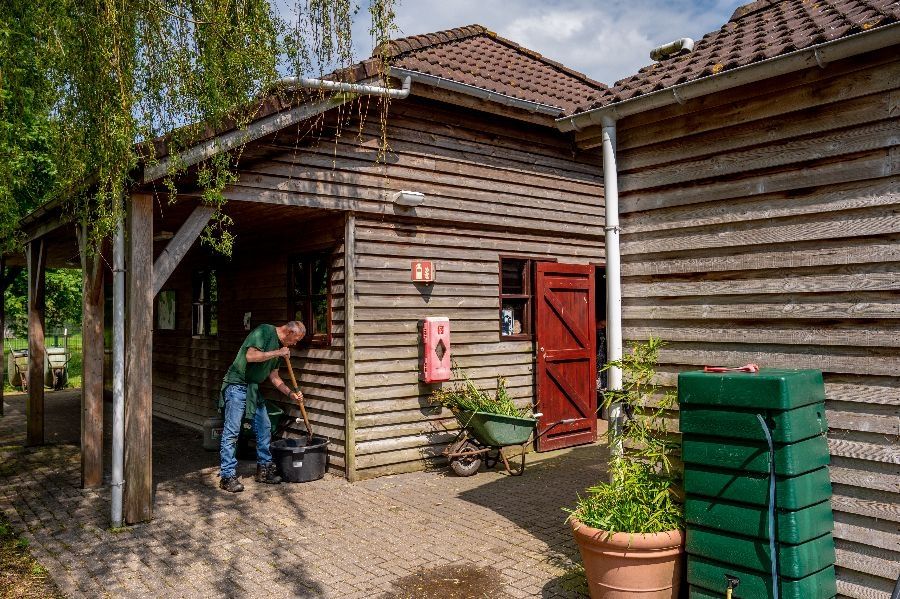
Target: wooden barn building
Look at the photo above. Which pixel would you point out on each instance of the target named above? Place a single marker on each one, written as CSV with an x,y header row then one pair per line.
x,y
505,207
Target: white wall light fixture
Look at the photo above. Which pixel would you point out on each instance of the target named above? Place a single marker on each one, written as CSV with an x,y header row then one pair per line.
x,y
409,198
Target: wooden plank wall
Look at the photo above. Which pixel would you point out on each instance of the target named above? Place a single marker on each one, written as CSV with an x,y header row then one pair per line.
x,y
492,185
475,169
763,225
396,428
187,372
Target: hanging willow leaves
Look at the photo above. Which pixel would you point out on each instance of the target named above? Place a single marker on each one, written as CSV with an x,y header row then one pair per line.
x,y
122,73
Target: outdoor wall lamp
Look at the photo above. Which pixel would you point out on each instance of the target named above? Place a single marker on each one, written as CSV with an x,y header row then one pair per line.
x,y
408,198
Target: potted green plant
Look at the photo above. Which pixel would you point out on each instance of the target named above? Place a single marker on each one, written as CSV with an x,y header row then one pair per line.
x,y
630,530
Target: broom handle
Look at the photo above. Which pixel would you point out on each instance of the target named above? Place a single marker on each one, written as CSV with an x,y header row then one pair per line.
x,y
309,432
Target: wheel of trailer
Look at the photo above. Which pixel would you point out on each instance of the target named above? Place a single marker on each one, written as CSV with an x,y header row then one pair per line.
x,y
469,464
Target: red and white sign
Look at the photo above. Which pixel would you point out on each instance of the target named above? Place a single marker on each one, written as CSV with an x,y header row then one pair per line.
x,y
423,271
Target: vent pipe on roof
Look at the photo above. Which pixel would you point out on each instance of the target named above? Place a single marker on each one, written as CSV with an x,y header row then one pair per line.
x,y
684,44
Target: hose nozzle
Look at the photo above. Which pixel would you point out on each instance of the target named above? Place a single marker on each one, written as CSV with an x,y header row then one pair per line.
x,y
732,582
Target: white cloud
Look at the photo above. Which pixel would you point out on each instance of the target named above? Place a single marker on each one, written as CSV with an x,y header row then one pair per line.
x,y
605,40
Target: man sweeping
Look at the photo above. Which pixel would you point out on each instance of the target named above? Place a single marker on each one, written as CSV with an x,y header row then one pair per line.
x,y
257,360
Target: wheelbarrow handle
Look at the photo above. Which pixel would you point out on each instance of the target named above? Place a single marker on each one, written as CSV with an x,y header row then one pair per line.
x,y
554,425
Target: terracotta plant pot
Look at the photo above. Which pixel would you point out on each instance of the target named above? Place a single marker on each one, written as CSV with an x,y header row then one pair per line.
x,y
621,566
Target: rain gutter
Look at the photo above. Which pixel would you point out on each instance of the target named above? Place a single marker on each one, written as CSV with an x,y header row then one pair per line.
x,y
817,55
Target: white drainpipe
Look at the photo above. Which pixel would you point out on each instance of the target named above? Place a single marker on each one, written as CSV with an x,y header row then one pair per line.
x,y
613,263
355,88
118,382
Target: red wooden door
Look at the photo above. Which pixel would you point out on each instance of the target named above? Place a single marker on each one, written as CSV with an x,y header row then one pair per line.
x,y
566,364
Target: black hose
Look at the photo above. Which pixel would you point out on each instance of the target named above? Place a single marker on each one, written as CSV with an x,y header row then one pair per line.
x,y
772,549
896,593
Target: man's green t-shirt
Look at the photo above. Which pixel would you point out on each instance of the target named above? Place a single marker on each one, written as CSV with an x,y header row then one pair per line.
x,y
264,338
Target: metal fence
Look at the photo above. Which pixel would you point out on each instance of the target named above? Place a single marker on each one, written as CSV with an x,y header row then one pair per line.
x,y
67,337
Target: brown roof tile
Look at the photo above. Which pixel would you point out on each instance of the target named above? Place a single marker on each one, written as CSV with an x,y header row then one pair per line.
x,y
756,31
476,56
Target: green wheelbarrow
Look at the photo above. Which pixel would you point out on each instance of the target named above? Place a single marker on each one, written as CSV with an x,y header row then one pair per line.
x,y
483,436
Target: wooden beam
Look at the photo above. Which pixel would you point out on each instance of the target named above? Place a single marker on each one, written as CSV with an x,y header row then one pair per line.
x,y
179,245
92,363
34,408
138,377
349,348
232,139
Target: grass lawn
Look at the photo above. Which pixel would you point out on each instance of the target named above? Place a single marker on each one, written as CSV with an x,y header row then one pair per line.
x,y
21,576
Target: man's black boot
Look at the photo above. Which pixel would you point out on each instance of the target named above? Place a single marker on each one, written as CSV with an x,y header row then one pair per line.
x,y
267,474
231,484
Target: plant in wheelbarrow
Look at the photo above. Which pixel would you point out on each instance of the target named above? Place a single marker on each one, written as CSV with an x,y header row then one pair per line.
x,y
487,423
630,530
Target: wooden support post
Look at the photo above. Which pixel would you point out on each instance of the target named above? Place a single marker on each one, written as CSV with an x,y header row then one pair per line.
x,y
138,359
2,328
349,343
92,363
34,408
6,279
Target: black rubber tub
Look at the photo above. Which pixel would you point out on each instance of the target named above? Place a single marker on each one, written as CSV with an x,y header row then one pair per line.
x,y
301,460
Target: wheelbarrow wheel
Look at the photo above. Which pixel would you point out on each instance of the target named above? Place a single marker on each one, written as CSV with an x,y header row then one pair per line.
x,y
466,465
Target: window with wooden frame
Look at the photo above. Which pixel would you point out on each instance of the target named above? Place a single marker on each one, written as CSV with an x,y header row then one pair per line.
x,y
204,304
309,295
516,281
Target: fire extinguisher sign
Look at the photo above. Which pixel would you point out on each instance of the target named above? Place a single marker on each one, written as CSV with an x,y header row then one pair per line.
x,y
423,271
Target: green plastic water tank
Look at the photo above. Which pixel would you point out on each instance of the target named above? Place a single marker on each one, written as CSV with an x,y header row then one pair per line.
x,y
726,481
768,389
707,574
792,526
791,459
785,426
794,561
791,492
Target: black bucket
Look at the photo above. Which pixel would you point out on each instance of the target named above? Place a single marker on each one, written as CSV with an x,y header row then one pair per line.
x,y
301,460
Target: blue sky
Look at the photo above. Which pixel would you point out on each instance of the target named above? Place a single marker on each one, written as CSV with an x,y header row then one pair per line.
x,y
606,40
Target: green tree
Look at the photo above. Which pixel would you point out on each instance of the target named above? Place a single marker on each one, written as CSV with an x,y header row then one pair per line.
x,y
63,299
94,81
27,168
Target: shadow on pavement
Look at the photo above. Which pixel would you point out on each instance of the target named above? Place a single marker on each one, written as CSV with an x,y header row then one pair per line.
x,y
198,532
535,502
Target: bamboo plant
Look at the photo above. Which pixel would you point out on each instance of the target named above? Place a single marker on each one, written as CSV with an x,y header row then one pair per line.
x,y
641,495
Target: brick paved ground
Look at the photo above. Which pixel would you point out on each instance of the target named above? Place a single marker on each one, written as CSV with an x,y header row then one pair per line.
x,y
428,535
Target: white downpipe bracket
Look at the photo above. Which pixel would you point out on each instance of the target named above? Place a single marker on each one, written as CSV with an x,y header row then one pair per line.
x,y
613,266
118,382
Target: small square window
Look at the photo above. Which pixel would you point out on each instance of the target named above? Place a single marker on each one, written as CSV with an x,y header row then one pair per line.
x,y
310,295
515,298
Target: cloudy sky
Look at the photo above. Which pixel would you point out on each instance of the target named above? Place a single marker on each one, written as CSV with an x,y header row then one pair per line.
x,y
605,39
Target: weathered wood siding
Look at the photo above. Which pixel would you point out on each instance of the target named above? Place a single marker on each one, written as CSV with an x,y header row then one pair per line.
x,y
188,371
475,169
763,225
492,186
396,428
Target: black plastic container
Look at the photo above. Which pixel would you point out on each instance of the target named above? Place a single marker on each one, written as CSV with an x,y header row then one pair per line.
x,y
301,460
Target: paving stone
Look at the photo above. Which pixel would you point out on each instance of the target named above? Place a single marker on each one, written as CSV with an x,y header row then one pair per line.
x,y
323,539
